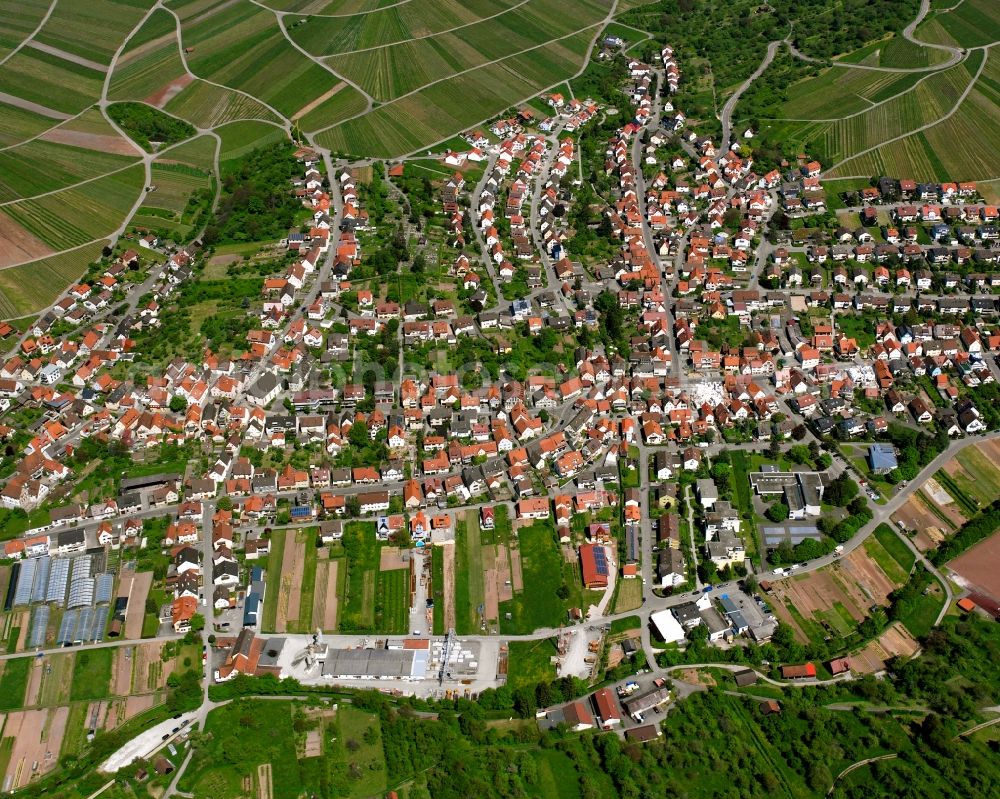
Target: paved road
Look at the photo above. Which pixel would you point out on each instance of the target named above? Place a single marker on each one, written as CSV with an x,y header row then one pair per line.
x,y
727,110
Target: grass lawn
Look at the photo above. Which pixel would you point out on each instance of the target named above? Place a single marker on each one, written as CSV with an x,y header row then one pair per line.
x,y
273,577
894,546
305,620
262,732
537,605
359,741
924,612
469,580
437,588
885,561
629,595
91,674
13,683
362,558
392,608
529,662
626,624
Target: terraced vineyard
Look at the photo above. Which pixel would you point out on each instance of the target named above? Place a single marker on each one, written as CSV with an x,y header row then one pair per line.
x,y
902,104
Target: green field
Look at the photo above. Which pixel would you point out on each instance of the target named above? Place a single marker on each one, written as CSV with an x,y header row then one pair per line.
x,y
307,590
357,611
146,68
956,148
972,23
33,286
269,617
437,589
263,732
239,138
850,125
392,608
542,566
21,177
17,124
205,105
94,29
53,82
13,683
529,662
469,579
91,674
441,109
892,544
99,207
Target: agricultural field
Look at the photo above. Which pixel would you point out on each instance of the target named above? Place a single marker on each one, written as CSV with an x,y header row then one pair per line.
x,y
892,107
19,124
91,131
92,30
389,71
208,106
20,18
61,88
976,569
23,175
166,210
959,147
833,600
99,207
440,109
33,286
148,70
322,35
896,53
291,575
971,23
242,46
240,138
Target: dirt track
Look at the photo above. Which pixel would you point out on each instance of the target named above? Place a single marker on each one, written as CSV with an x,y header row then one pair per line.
x,y
17,244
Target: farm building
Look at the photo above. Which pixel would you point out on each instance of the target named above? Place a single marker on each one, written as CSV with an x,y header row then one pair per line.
x,y
800,672
594,565
607,708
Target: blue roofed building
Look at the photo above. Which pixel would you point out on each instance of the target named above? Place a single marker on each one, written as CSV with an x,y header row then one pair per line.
x,y
882,458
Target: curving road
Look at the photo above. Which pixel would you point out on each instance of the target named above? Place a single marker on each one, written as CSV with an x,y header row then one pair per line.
x,y
727,110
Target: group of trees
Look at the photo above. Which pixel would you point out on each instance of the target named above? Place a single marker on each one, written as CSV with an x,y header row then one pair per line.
x,y
146,125
257,202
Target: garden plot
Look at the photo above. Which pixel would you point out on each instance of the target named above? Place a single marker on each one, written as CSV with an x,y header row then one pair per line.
x,y
895,641
290,584
943,501
325,599
37,738
834,598
917,515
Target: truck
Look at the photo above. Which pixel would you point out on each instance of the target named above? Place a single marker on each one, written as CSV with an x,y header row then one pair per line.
x,y
838,550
